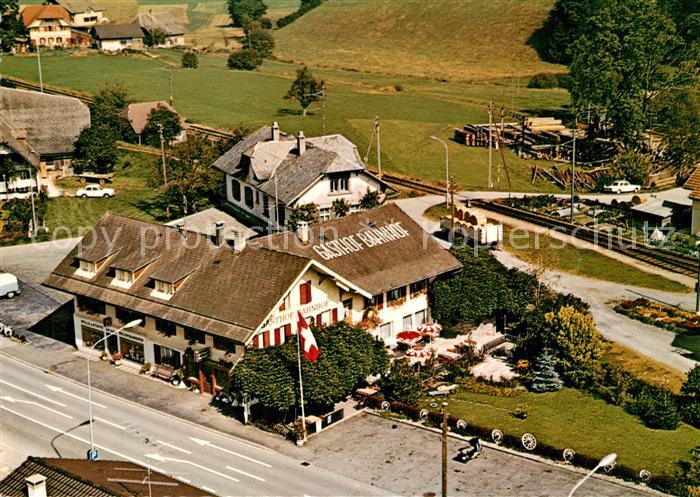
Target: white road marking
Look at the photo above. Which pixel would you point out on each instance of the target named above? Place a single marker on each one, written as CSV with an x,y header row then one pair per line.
x,y
207,443
161,458
75,437
101,420
59,389
210,490
32,393
173,447
12,400
183,479
244,473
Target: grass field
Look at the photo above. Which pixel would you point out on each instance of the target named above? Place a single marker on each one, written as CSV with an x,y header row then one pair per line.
x,y
68,216
458,40
217,96
572,419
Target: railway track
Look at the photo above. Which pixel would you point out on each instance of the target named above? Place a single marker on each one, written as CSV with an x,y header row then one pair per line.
x,y
626,246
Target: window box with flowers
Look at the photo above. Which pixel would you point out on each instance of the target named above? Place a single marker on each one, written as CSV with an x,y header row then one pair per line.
x,y
396,297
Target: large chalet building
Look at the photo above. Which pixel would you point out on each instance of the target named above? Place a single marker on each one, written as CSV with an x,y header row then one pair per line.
x,y
269,173
205,299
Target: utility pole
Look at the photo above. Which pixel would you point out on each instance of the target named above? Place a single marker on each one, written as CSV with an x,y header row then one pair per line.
x,y
323,106
697,287
171,97
41,77
490,142
31,195
162,154
573,169
444,449
379,145
452,202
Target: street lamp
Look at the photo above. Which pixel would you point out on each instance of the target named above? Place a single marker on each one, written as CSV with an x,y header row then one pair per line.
x,y
697,287
93,454
444,448
447,169
605,461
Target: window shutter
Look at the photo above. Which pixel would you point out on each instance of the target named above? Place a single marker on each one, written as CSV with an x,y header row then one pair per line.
x,y
334,315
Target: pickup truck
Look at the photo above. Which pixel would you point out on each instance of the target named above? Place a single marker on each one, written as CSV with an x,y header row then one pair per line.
x,y
95,191
622,186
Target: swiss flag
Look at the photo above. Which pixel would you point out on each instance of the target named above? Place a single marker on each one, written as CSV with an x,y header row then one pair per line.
x,y
308,342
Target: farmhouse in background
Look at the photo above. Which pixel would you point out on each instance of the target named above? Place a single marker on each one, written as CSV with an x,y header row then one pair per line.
x,y
137,115
165,23
693,184
269,173
38,131
118,37
48,25
83,13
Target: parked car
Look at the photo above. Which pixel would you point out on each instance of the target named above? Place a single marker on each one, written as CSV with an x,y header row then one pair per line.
x,y
9,286
622,186
95,191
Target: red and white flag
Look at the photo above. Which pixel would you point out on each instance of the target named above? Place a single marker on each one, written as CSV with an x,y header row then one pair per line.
x,y
308,342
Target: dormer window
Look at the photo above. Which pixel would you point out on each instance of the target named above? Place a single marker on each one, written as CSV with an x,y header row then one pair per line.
x,y
163,290
86,269
123,278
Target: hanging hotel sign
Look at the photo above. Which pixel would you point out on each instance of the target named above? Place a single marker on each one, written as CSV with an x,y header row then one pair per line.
x,y
370,237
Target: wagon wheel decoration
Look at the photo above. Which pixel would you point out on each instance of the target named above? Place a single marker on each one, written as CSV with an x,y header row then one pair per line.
x,y
529,441
569,455
385,406
608,469
645,476
433,405
497,437
423,414
461,425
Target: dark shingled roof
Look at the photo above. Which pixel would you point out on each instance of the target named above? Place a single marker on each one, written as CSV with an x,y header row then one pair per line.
x,y
83,478
251,281
79,6
52,122
230,161
373,269
117,31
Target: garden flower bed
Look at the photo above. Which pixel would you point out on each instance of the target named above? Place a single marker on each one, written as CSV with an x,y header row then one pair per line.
x,y
660,315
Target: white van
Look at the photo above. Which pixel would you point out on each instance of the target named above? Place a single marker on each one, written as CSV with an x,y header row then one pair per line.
x,y
9,286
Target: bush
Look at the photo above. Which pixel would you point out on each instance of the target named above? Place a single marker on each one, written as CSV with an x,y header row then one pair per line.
x,y
190,60
266,23
244,60
306,6
543,80
656,407
690,398
402,384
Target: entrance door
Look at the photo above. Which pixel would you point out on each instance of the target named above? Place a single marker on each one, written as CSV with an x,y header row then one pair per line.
x,y
113,344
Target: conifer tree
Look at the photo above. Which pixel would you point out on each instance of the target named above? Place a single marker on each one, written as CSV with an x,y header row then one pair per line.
x,y
545,377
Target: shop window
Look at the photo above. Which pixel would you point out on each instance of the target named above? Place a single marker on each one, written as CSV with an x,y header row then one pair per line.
x,y
167,328
131,349
167,356
419,287
91,306
248,192
91,335
408,322
127,316
376,301
305,293
194,336
235,190
223,343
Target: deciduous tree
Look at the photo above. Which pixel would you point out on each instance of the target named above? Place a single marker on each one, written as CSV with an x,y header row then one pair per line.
x,y
107,107
190,60
244,60
305,89
10,26
259,39
96,150
241,10
163,117
402,384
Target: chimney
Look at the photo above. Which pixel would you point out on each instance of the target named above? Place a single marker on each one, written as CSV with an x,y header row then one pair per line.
x,y
239,241
275,132
301,143
36,485
219,233
303,231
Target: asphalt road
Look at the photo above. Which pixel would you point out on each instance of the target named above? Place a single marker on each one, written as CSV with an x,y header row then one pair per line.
x,y
43,414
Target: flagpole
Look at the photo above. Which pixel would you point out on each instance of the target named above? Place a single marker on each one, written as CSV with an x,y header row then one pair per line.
x,y
301,384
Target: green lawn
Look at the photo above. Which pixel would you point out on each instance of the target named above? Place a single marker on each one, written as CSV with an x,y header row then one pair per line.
x,y
571,419
217,96
67,216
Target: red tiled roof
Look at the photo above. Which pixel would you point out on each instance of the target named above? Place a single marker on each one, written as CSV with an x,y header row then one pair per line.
x,y
693,184
48,12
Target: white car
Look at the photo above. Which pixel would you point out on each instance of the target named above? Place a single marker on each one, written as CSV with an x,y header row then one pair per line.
x,y
95,191
622,186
